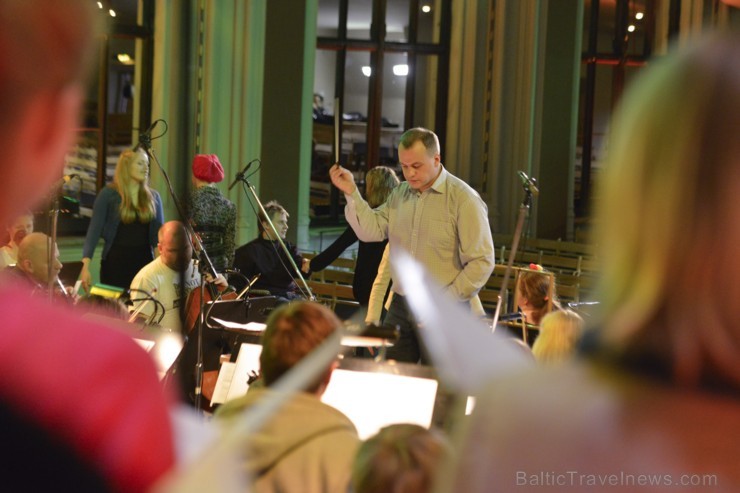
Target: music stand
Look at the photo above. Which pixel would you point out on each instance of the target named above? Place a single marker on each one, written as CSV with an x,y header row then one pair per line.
x,y
241,311
371,394
374,395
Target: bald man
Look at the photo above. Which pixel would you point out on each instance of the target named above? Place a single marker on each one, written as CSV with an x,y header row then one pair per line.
x,y
33,261
162,276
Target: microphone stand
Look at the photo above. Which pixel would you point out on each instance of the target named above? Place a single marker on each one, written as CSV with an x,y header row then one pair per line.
x,y
52,240
205,266
523,208
263,212
52,246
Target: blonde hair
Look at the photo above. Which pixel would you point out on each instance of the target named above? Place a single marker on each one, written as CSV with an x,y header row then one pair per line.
x,y
559,333
144,211
379,183
668,225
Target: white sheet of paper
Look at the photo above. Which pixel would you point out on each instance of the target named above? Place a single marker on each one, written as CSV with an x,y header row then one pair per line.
x,y
223,383
374,400
247,362
253,326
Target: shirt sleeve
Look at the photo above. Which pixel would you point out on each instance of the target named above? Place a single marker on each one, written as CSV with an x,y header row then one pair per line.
x,y
333,251
141,302
95,229
380,287
369,224
246,264
476,249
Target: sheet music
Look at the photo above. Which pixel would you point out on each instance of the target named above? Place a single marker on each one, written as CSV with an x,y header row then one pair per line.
x,y
247,363
374,400
223,383
251,326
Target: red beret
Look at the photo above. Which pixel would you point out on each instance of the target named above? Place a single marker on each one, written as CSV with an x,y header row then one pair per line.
x,y
207,167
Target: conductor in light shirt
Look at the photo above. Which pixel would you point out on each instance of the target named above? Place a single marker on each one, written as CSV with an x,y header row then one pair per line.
x,y
436,217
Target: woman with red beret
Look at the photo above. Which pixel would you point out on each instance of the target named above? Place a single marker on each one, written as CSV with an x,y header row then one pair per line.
x,y
213,216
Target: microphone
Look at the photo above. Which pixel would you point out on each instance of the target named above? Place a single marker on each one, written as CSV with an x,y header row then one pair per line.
x,y
145,138
240,175
529,184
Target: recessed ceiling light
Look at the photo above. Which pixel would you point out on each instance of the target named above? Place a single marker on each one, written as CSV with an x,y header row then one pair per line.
x,y
366,70
426,9
401,70
639,16
631,28
112,12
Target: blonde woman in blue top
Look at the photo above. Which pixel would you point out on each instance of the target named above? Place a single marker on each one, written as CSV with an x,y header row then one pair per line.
x,y
127,214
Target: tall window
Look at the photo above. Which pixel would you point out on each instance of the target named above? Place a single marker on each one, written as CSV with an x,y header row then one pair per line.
x,y
118,101
385,64
618,39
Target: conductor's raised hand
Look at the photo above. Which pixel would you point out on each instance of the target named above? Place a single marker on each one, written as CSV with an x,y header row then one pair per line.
x,y
343,179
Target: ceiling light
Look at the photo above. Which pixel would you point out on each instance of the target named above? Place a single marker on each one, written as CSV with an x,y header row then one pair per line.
x,y
112,12
639,16
401,70
426,9
366,70
631,28
100,5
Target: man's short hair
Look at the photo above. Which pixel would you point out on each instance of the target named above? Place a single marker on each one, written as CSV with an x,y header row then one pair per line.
x,y
294,330
176,230
419,134
271,208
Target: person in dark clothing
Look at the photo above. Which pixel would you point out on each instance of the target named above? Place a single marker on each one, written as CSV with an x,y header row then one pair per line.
x,y
213,215
127,214
379,182
265,257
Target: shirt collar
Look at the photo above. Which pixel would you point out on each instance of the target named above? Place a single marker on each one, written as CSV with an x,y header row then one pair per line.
x,y
440,184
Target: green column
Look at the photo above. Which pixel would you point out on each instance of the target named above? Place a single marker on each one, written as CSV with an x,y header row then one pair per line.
x,y
555,137
290,49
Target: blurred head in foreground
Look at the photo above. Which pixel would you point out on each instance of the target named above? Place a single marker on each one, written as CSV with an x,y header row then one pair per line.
x,y
401,458
669,220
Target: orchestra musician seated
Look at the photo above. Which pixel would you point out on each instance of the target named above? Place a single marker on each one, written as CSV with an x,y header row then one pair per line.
x,y
265,257
161,278
305,445
17,230
535,294
32,267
